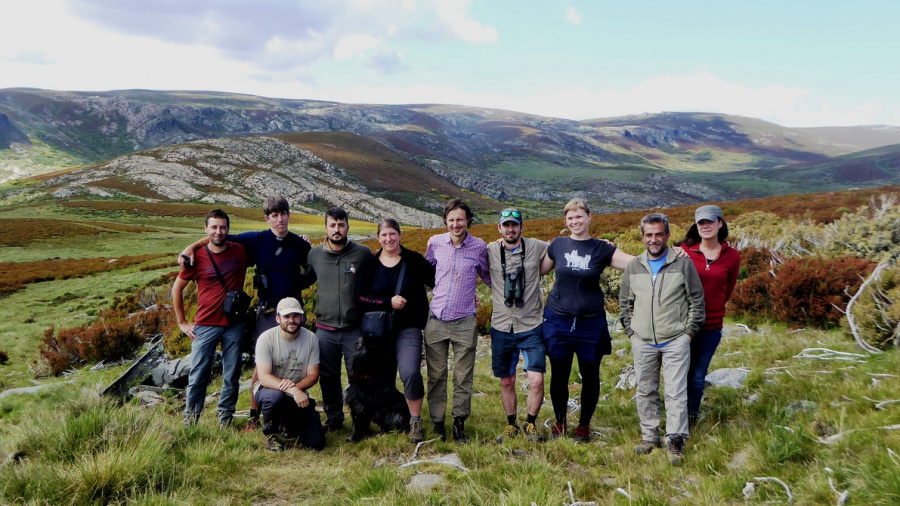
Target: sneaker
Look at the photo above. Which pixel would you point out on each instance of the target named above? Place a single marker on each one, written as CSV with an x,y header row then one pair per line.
x,y
273,444
582,434
440,431
509,432
646,447
531,433
675,445
252,425
558,430
332,424
459,431
415,432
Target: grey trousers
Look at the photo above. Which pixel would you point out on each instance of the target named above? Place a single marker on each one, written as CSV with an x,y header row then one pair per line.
x,y
675,359
439,335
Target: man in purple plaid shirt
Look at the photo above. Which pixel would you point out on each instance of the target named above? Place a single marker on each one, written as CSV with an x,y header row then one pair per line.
x,y
458,258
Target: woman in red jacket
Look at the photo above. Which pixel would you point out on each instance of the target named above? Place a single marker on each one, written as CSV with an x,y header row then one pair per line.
x,y
718,265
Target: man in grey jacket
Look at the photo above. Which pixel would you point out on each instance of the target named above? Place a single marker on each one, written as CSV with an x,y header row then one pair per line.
x,y
661,300
335,264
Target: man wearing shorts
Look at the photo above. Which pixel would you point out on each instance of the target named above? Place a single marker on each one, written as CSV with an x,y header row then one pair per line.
x,y
516,321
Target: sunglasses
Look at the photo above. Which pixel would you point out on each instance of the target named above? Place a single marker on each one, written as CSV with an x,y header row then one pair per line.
x,y
514,214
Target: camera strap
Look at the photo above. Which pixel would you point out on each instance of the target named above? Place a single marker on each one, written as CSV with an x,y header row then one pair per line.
x,y
216,267
503,260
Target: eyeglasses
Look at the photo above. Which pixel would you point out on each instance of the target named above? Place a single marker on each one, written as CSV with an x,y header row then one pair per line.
x,y
513,213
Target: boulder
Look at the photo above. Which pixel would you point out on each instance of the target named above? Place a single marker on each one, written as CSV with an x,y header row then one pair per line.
x,y
733,378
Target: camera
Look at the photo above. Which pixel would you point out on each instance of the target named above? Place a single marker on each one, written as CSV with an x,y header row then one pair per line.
x,y
261,281
514,288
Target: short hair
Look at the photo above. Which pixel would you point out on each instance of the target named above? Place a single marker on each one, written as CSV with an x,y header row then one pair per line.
x,y
336,214
388,223
276,204
218,214
455,204
655,218
575,204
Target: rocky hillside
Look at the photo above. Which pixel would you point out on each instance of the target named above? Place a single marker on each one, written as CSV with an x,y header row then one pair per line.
x,y
633,161
239,172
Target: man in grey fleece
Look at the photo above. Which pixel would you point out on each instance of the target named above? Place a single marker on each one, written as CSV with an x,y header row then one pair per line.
x,y
661,300
335,264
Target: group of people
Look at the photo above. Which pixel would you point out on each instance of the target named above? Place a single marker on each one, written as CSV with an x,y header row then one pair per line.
x,y
672,302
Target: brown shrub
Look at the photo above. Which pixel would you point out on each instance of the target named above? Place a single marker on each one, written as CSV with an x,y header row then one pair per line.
x,y
14,275
803,292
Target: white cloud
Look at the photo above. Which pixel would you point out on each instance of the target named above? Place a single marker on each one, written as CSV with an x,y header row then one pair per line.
x,y
573,17
454,13
354,44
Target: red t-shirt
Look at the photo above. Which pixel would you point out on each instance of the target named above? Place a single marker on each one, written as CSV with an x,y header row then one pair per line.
x,y
718,279
233,263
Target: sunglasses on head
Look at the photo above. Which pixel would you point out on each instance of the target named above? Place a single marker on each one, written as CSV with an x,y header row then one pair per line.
x,y
514,214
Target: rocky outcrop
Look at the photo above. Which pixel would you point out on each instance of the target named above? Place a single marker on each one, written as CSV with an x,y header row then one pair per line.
x,y
238,172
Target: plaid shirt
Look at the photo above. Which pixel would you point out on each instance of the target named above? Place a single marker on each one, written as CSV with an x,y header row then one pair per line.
x,y
456,268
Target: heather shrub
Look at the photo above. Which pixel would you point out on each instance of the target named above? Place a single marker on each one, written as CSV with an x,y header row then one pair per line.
x,y
4,357
114,335
483,316
877,310
787,237
755,260
803,291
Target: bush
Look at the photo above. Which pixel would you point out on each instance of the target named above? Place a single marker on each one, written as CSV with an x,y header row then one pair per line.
x,y
804,291
877,310
483,316
115,335
4,357
873,232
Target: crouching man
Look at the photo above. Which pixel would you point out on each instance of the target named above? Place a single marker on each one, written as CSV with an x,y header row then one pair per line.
x,y
287,363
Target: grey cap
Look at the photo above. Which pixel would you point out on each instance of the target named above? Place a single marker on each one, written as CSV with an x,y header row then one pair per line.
x,y
510,214
711,213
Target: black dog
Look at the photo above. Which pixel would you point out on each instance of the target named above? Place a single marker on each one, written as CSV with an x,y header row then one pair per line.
x,y
372,392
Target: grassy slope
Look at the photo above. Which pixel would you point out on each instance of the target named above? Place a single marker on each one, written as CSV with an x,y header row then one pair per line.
x,y
81,450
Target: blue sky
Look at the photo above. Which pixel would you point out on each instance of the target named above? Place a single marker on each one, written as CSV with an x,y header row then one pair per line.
x,y
792,62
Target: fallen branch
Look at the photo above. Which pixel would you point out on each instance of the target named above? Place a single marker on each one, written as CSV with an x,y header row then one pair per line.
x,y
419,445
848,313
827,354
842,496
776,480
832,439
623,492
744,327
893,456
439,460
881,404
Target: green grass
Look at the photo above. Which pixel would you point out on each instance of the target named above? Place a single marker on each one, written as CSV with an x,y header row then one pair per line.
x,y
81,448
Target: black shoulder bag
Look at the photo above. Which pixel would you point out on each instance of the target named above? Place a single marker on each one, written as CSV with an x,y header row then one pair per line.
x,y
378,324
237,302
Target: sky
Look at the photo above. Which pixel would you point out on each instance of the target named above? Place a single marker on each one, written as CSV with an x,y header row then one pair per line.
x,y
798,63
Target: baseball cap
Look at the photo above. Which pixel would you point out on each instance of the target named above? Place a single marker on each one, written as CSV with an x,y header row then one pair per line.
x,y
510,214
711,213
289,305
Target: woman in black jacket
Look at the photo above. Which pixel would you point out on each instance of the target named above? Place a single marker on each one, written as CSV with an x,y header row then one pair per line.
x,y
378,291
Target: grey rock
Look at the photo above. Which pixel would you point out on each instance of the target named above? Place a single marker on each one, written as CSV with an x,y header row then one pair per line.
x,y
754,398
733,378
799,406
424,482
174,373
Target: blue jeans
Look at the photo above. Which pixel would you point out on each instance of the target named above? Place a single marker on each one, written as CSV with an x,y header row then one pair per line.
x,y
703,346
203,352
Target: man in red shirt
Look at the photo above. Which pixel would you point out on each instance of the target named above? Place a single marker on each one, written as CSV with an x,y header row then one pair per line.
x,y
221,267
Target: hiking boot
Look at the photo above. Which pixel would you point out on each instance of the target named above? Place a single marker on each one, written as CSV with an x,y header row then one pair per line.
x,y
675,445
646,447
558,430
508,433
191,419
273,444
582,434
439,431
459,431
252,425
226,423
416,435
332,424
531,433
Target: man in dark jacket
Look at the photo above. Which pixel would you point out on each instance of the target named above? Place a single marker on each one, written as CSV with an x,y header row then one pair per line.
x,y
335,266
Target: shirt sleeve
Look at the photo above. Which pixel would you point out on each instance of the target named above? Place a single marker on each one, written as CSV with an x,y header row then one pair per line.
x,y
263,352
